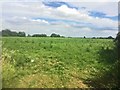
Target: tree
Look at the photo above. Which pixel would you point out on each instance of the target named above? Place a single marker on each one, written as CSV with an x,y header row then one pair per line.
x,y
54,35
39,35
28,35
93,37
21,34
110,37
8,32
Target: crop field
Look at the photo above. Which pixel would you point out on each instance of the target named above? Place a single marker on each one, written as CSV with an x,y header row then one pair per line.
x,y
34,62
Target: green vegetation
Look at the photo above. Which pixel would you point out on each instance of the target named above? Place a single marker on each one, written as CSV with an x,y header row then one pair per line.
x,y
8,32
58,62
55,35
39,35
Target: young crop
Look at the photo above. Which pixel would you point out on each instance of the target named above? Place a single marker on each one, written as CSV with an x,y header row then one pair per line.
x,y
58,62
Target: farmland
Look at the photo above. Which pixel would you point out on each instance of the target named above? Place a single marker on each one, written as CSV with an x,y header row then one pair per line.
x,y
33,62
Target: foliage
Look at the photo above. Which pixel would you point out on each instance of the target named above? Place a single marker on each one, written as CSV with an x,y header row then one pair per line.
x,y
58,62
8,32
117,39
110,37
55,35
21,34
39,35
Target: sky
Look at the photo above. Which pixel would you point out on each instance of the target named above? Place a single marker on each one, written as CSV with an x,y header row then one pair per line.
x,y
67,18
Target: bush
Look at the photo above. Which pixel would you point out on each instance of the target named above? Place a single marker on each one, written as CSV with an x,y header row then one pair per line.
x,y
110,37
39,35
8,32
117,39
54,35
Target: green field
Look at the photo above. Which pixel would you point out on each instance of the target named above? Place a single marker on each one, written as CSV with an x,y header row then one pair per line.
x,y
30,62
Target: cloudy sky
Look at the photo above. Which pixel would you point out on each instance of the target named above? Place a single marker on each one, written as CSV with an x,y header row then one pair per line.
x,y
76,19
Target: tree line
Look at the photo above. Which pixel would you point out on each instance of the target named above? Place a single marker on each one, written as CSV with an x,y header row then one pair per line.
x,y
44,35
109,37
8,32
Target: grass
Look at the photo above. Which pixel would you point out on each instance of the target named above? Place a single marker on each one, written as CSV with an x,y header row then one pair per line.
x,y
58,62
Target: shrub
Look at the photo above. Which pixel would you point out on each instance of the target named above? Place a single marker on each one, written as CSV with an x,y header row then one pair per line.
x,y
54,35
39,35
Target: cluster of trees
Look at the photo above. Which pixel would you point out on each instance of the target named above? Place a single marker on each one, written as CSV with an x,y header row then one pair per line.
x,y
44,35
109,37
54,35
39,35
8,32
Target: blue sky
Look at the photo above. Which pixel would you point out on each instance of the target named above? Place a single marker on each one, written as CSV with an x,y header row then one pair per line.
x,y
58,4
76,19
102,15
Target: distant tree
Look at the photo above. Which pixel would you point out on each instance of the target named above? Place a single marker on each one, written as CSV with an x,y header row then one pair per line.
x,y
84,37
93,37
110,37
8,32
101,38
39,35
13,33
21,34
28,35
54,35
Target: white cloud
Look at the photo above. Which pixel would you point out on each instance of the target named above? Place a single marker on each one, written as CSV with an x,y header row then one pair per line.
x,y
73,14
39,21
23,14
108,7
68,11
